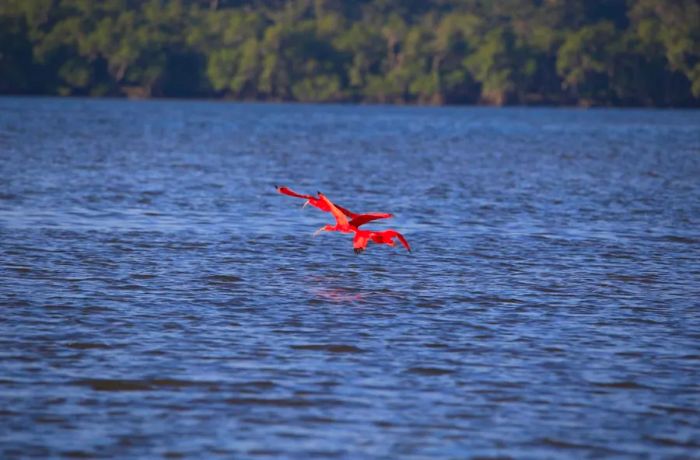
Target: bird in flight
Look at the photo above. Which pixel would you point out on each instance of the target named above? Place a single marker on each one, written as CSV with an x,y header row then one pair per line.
x,y
324,204
349,222
362,237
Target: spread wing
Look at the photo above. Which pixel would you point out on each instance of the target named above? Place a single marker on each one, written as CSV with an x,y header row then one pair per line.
x,y
340,218
361,219
394,233
350,214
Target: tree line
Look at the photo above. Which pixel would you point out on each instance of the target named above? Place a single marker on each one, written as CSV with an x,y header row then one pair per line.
x,y
572,52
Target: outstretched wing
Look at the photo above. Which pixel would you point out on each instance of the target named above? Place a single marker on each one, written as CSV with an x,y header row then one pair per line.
x,y
361,219
394,233
290,192
340,218
350,214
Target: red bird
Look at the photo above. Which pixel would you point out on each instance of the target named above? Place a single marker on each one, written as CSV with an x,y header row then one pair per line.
x,y
362,237
324,204
312,200
343,225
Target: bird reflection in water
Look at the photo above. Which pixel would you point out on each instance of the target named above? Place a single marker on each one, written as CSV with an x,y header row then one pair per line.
x,y
338,295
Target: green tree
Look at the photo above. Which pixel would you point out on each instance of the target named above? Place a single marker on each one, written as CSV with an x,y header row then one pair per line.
x,y
16,61
491,66
231,41
671,28
621,52
455,38
585,61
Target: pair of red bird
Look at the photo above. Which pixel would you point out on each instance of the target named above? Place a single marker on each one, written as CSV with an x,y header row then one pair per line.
x,y
343,225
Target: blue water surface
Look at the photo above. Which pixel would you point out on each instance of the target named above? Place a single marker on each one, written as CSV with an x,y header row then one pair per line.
x,y
159,298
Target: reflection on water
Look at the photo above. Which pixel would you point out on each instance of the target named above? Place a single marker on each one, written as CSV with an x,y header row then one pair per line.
x,y
338,295
161,299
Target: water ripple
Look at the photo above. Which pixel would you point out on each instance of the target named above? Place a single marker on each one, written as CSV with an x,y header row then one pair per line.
x,y
161,300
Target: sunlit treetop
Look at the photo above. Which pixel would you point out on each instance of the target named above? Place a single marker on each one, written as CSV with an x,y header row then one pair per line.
x,y
602,52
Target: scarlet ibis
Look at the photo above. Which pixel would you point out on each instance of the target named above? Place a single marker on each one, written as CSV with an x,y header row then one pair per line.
x,y
312,200
324,204
362,237
343,225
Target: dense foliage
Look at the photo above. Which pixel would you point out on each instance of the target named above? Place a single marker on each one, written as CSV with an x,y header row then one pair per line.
x,y
593,52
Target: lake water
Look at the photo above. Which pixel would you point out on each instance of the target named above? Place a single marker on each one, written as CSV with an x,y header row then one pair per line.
x,y
159,298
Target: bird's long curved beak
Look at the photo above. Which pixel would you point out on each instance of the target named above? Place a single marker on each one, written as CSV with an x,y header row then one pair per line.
x,y
306,203
319,231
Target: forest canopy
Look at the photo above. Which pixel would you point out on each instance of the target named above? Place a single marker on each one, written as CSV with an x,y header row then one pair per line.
x,y
572,52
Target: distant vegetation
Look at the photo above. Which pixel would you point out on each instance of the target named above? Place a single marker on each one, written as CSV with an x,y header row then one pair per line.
x,y
585,52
